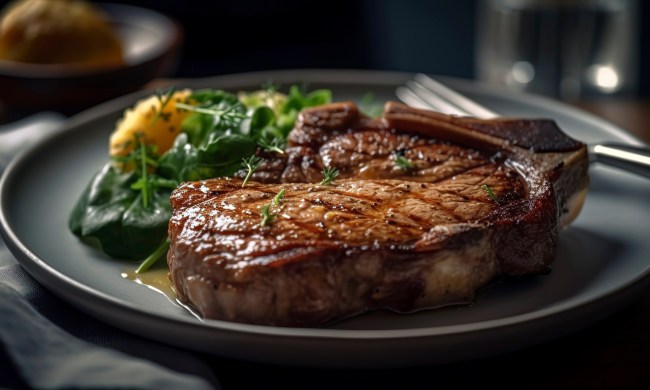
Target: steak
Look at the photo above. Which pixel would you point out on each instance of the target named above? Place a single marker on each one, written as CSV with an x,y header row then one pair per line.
x,y
428,209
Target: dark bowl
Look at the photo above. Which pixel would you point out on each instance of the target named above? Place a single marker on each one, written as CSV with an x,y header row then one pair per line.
x,y
151,44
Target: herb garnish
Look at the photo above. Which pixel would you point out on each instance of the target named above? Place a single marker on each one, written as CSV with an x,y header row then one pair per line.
x,y
275,144
228,116
490,193
329,175
163,99
278,198
267,216
126,207
368,106
143,182
270,87
404,163
251,164
154,256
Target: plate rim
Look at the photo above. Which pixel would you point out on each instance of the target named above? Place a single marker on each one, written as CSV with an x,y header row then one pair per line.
x,y
61,284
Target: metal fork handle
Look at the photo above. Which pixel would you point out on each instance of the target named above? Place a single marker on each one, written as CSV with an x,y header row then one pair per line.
x,y
425,92
630,158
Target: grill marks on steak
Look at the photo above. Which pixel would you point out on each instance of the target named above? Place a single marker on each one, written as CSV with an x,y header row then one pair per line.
x,y
332,250
364,153
369,154
348,213
380,236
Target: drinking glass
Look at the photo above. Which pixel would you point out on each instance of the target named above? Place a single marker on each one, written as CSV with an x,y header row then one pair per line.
x,y
569,49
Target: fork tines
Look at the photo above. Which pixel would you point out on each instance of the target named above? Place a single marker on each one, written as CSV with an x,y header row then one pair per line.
x,y
425,92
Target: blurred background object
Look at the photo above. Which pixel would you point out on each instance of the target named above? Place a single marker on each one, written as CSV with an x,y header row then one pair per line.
x,y
456,38
566,42
58,32
568,49
65,56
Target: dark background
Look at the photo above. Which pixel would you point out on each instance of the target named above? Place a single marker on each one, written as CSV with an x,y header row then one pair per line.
x,y
238,36
432,36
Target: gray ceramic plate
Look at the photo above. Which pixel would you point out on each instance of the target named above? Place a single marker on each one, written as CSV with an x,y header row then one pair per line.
x,y
602,262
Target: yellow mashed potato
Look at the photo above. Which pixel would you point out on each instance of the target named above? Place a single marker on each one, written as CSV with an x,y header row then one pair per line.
x,y
150,124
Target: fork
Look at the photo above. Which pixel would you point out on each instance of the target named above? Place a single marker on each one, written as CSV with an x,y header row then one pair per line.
x,y
425,92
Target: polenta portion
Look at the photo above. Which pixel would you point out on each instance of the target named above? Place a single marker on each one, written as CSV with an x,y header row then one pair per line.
x,y
153,121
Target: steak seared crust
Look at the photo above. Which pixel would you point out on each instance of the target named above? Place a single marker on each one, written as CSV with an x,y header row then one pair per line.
x,y
381,236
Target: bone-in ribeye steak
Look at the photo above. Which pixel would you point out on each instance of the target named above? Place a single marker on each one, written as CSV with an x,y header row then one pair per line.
x,y
420,234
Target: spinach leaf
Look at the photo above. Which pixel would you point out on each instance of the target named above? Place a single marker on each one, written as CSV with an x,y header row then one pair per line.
x,y
221,149
143,228
107,186
181,155
261,118
215,138
196,127
113,214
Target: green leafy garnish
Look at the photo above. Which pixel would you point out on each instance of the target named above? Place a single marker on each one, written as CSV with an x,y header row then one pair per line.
x,y
154,256
270,87
274,144
143,183
228,117
163,98
113,214
278,198
368,106
250,164
329,175
125,208
490,193
404,163
267,216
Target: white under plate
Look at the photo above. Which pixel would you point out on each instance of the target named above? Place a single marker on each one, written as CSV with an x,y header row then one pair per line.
x,y
602,260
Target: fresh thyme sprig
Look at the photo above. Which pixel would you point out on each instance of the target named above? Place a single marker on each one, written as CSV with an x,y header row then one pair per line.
x,y
144,183
229,114
267,216
490,193
251,164
329,175
144,157
140,156
270,87
404,163
278,197
163,99
274,144
154,256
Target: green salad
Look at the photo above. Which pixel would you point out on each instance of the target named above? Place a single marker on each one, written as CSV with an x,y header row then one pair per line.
x,y
125,208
